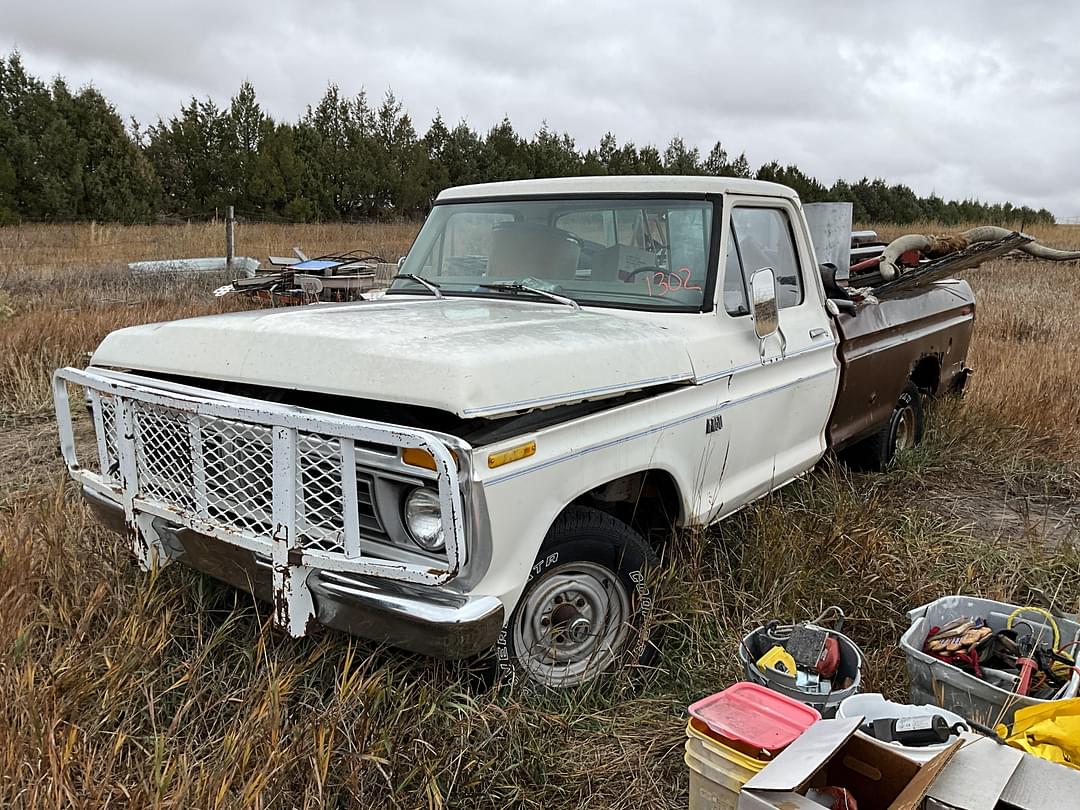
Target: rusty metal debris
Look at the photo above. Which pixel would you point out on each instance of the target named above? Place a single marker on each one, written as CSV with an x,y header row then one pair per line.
x,y
916,259
302,280
966,259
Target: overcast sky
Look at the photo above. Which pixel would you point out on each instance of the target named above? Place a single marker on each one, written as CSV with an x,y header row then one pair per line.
x,y
981,100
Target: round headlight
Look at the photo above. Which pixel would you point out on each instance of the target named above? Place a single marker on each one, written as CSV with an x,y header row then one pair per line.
x,y
423,519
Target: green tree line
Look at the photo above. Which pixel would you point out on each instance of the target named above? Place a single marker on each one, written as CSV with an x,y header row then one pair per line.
x,y
68,156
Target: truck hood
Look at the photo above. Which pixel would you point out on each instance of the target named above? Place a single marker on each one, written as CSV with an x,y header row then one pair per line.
x,y
467,356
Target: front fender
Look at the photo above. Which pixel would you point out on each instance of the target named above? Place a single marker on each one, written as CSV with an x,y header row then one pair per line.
x,y
524,498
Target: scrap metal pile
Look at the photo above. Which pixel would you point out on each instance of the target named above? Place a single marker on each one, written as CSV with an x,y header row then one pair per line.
x,y
301,280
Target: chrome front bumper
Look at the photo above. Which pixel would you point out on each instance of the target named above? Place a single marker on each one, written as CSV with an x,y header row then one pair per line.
x,y
420,619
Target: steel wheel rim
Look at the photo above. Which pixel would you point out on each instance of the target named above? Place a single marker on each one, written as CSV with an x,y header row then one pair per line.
x,y
905,429
573,624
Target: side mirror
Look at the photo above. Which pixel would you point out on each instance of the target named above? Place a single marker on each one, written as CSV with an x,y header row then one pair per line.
x,y
400,262
763,302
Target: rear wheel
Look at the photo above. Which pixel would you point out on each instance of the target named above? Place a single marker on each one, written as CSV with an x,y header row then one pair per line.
x,y
586,608
903,431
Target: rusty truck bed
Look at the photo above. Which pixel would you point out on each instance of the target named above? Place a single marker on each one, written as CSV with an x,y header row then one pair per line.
x,y
922,334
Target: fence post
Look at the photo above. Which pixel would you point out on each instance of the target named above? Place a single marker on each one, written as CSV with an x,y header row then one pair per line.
x,y
230,244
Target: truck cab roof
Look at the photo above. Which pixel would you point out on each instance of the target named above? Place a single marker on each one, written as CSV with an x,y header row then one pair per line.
x,y
642,184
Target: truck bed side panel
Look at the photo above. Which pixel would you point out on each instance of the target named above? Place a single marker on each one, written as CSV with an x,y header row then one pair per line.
x,y
881,346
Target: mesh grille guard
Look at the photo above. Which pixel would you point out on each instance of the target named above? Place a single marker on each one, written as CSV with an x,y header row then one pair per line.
x,y
269,478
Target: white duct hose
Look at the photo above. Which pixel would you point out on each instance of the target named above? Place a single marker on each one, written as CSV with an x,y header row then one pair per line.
x,y
988,233
897,248
941,245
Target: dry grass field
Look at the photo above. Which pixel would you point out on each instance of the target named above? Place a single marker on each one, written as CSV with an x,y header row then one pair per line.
x,y
119,689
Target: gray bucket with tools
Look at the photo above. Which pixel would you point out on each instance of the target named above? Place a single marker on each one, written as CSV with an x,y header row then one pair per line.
x,y
823,694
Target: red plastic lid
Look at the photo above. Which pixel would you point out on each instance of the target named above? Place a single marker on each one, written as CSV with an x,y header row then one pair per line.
x,y
755,716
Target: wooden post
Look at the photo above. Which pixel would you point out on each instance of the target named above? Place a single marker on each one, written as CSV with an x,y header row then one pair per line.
x,y
230,243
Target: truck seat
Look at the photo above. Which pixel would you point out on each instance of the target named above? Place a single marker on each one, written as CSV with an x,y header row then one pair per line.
x,y
527,250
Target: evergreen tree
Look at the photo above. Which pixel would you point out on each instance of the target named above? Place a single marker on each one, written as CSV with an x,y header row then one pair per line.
x,y
593,165
435,142
247,125
407,174
505,155
649,161
463,156
619,160
117,182
551,155
31,126
67,156
277,180
190,157
716,163
740,167
679,159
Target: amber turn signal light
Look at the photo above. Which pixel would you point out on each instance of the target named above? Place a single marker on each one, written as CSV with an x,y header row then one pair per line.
x,y
417,457
513,454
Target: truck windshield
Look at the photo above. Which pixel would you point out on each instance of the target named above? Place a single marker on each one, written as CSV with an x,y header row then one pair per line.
x,y
650,254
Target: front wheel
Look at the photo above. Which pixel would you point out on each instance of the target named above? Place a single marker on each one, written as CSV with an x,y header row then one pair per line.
x,y
586,608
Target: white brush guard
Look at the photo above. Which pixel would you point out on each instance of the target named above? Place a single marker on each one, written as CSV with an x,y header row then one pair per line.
x,y
273,479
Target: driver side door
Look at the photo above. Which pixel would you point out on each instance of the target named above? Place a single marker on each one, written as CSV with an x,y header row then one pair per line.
x,y
780,395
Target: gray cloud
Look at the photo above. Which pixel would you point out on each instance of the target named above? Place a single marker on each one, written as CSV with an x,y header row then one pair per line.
x,y
944,97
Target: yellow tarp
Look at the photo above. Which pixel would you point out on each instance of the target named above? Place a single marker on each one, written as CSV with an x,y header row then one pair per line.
x,y
1050,731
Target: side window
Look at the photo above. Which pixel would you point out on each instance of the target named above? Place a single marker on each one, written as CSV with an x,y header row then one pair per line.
x,y
735,300
765,240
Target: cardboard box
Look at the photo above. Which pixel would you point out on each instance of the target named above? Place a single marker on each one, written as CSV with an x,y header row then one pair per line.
x,y
828,753
983,775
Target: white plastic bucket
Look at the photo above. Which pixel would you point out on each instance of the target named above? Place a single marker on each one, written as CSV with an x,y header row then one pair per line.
x,y
873,706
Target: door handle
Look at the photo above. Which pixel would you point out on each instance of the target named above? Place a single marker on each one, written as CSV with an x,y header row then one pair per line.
x,y
818,332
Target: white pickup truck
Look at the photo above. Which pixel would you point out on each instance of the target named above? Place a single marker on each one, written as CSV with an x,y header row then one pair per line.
x,y
488,457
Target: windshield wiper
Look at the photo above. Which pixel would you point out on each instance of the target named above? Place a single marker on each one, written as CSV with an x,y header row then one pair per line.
x,y
432,287
514,287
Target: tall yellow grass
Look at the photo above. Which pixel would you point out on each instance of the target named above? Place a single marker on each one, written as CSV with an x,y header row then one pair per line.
x,y
88,244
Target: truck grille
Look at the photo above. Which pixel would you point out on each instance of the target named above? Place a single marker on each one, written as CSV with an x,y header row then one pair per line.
x,y
320,517
222,471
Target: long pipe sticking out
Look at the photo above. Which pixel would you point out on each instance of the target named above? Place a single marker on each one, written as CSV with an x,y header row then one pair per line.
x,y
940,245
